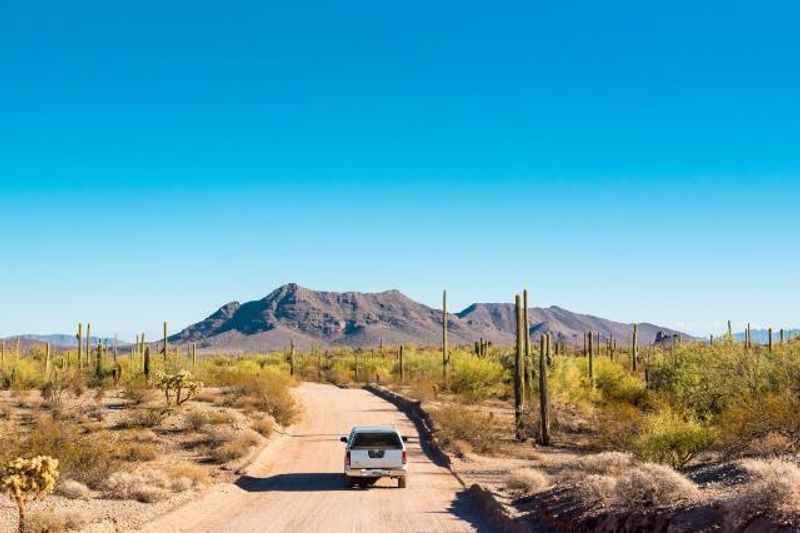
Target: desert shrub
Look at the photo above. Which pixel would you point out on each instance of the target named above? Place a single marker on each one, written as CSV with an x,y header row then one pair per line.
x,y
745,424
146,486
143,418
197,419
651,485
618,425
137,452
614,478
773,492
569,384
671,438
476,378
235,449
88,458
459,423
196,474
527,481
424,389
269,390
74,490
138,392
51,522
616,384
605,464
263,425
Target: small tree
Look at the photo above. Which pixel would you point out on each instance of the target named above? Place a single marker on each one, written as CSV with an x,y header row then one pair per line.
x,y
179,383
28,479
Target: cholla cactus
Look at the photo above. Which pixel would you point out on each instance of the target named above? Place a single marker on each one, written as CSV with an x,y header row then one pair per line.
x,y
181,383
28,479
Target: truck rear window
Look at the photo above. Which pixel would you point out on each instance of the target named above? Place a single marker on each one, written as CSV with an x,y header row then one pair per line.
x,y
377,440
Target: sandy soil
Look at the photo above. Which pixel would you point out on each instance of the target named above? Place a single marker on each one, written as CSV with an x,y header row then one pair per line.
x,y
296,484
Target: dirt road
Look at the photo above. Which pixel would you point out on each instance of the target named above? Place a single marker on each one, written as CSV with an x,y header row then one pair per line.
x,y
296,484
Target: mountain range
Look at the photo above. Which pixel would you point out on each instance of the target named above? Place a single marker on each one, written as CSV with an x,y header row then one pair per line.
x,y
322,318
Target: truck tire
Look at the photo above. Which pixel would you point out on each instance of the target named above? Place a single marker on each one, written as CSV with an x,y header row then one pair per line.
x,y
401,482
349,482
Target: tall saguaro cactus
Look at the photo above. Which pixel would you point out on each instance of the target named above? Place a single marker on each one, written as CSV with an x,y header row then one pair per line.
x,y
165,341
781,341
402,365
98,369
730,331
527,332
291,357
591,358
146,363
445,355
79,336
518,378
88,344
544,399
770,339
46,360
634,348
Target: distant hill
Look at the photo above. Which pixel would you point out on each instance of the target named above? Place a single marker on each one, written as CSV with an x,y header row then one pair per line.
x,y
307,317
56,340
761,336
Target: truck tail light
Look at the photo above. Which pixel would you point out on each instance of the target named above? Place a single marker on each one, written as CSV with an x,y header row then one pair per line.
x,y
347,459
405,457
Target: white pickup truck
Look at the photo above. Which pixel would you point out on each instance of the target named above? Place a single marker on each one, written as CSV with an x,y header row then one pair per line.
x,y
374,452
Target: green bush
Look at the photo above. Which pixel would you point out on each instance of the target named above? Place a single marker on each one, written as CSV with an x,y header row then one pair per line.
x,y
672,438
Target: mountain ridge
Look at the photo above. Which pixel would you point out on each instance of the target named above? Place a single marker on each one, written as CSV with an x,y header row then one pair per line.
x,y
307,317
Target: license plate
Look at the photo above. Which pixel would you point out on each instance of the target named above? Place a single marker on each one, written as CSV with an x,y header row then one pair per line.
x,y
375,472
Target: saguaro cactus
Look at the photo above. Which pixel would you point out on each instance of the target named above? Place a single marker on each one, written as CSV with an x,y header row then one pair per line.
x,y
402,365
165,341
146,362
88,344
2,354
527,333
770,339
730,331
98,370
781,336
519,384
46,360
544,399
291,357
79,336
445,355
591,358
634,348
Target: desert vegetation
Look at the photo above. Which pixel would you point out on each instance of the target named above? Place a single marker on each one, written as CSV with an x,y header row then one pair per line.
x,y
632,423
146,427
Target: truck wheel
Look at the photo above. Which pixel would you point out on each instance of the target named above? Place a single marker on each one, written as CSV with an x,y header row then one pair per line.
x,y
349,482
401,482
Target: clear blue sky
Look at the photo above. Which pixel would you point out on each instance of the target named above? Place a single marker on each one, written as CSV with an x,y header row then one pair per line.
x,y
158,159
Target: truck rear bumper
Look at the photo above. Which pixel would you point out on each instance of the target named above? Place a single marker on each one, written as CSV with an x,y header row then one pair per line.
x,y
375,472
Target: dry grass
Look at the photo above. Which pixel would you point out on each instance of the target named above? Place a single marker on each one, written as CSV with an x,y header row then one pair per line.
x,y
149,486
74,490
196,474
615,478
773,492
457,424
50,522
236,448
135,452
263,426
142,418
527,481
196,419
